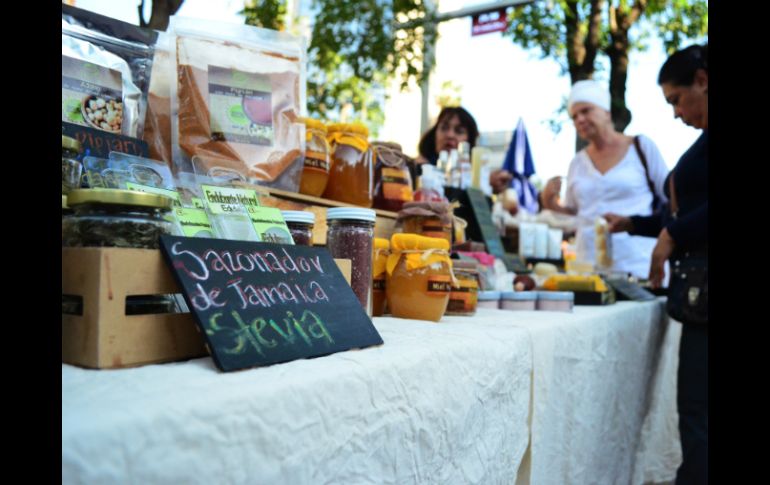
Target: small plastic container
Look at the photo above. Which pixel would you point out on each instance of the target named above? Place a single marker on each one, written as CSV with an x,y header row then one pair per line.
x,y
519,300
300,224
379,262
555,301
419,277
315,172
350,236
463,299
115,218
71,168
489,299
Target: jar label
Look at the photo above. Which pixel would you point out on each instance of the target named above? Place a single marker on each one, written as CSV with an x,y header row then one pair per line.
x,y
395,184
240,105
194,222
378,285
439,284
316,161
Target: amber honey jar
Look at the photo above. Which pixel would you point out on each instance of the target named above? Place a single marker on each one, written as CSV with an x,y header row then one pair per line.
x,y
419,277
464,296
429,219
379,262
351,170
315,172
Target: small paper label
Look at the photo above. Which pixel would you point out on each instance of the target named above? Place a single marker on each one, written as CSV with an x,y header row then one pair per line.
x,y
228,200
194,222
91,95
439,284
241,106
270,225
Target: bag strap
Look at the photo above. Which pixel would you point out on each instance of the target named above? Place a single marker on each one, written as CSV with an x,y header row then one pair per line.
x,y
640,152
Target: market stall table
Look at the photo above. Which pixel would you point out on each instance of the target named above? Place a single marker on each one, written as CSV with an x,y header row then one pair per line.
x,y
437,403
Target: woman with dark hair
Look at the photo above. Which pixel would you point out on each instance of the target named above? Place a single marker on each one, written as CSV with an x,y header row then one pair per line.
x,y
683,240
454,125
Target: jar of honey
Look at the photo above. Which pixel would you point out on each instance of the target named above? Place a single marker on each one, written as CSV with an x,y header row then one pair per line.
x,y
315,172
429,219
379,262
463,298
419,277
351,169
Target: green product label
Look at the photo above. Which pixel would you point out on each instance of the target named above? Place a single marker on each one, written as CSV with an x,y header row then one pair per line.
x,y
91,95
241,106
197,203
269,224
227,200
194,222
173,194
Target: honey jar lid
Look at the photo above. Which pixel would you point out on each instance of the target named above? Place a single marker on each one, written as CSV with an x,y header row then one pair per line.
x,y
357,128
119,197
312,124
381,243
353,213
465,265
70,143
402,241
556,295
303,217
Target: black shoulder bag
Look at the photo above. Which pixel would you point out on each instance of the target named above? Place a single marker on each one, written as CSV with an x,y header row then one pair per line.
x,y
688,287
657,203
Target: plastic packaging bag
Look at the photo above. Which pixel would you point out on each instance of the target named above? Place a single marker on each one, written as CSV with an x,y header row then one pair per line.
x,y
157,124
106,67
236,99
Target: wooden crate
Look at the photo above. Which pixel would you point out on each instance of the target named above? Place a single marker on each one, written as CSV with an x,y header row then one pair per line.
x,y
104,336
384,225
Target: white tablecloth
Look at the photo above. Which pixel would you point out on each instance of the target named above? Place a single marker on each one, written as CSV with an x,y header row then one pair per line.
x,y
591,392
437,403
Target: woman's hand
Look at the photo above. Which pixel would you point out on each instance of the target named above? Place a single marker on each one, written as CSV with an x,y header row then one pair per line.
x,y
619,223
660,254
500,180
550,195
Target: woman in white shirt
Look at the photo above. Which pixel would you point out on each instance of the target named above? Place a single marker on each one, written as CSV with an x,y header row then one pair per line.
x,y
608,176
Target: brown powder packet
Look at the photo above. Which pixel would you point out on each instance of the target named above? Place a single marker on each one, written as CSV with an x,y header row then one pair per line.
x,y
236,99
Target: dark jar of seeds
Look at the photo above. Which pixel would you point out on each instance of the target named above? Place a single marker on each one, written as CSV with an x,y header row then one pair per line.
x,y
300,224
71,169
350,236
115,218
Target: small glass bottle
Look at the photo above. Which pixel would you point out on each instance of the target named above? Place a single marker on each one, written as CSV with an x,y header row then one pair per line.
x,y
300,224
71,168
379,262
115,218
349,236
315,173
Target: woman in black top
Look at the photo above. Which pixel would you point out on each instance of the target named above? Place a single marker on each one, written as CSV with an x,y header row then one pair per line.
x,y
684,229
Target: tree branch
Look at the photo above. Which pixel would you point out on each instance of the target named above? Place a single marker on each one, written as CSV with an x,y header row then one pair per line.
x,y
594,31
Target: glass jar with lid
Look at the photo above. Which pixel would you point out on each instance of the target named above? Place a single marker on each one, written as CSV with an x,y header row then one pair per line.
x,y
351,170
349,236
379,262
463,298
315,172
71,168
430,219
419,277
300,224
115,218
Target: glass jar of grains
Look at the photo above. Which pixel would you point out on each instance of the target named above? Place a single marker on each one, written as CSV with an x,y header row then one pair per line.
x,y
115,218
71,168
349,236
300,224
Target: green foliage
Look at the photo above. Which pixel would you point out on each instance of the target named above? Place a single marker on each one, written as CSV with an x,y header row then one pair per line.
x,y
356,47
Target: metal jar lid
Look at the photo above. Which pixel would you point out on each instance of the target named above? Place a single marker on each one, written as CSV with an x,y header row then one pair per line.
x,y
119,197
70,143
303,217
520,295
556,295
351,213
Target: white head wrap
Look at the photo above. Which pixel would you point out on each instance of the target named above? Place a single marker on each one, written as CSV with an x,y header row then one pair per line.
x,y
589,91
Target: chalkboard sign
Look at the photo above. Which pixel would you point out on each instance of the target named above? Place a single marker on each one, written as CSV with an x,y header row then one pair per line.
x,y
260,303
483,216
627,290
99,143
